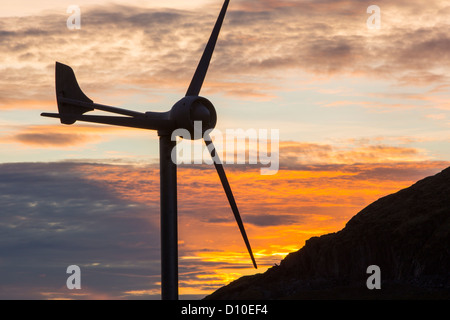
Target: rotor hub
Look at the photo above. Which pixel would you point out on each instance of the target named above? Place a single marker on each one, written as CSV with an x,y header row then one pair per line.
x,y
194,114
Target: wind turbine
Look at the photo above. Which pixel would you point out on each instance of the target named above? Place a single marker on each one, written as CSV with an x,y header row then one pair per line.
x,y
73,104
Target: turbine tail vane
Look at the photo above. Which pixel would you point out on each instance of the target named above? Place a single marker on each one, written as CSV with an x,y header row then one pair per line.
x,y
67,87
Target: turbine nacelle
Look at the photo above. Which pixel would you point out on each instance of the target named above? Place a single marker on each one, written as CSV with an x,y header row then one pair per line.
x,y
191,109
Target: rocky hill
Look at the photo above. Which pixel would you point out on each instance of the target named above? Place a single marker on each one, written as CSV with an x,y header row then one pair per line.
x,y
406,234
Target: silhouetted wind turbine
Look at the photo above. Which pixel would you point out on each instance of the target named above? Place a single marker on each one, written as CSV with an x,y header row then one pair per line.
x,y
73,103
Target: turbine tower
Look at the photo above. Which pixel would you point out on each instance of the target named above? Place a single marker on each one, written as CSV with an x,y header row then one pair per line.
x,y
73,104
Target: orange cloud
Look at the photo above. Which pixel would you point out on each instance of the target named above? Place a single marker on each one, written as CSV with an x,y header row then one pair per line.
x,y
362,152
52,139
59,136
280,212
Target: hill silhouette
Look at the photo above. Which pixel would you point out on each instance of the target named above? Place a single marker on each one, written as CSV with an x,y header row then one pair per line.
x,y
406,234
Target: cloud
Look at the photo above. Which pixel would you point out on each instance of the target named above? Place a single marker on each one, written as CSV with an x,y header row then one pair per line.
x,y
342,43
52,217
105,219
359,152
159,48
58,136
265,219
52,139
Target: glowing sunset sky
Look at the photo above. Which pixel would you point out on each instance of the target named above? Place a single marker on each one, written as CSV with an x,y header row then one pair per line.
x,y
361,113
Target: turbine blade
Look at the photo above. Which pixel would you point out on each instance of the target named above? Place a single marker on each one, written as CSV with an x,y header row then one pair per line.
x,y
229,193
202,68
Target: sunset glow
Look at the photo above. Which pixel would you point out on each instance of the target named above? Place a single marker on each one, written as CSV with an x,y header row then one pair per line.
x,y
361,113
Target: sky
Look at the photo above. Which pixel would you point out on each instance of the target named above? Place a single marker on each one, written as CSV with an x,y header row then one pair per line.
x,y
361,113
